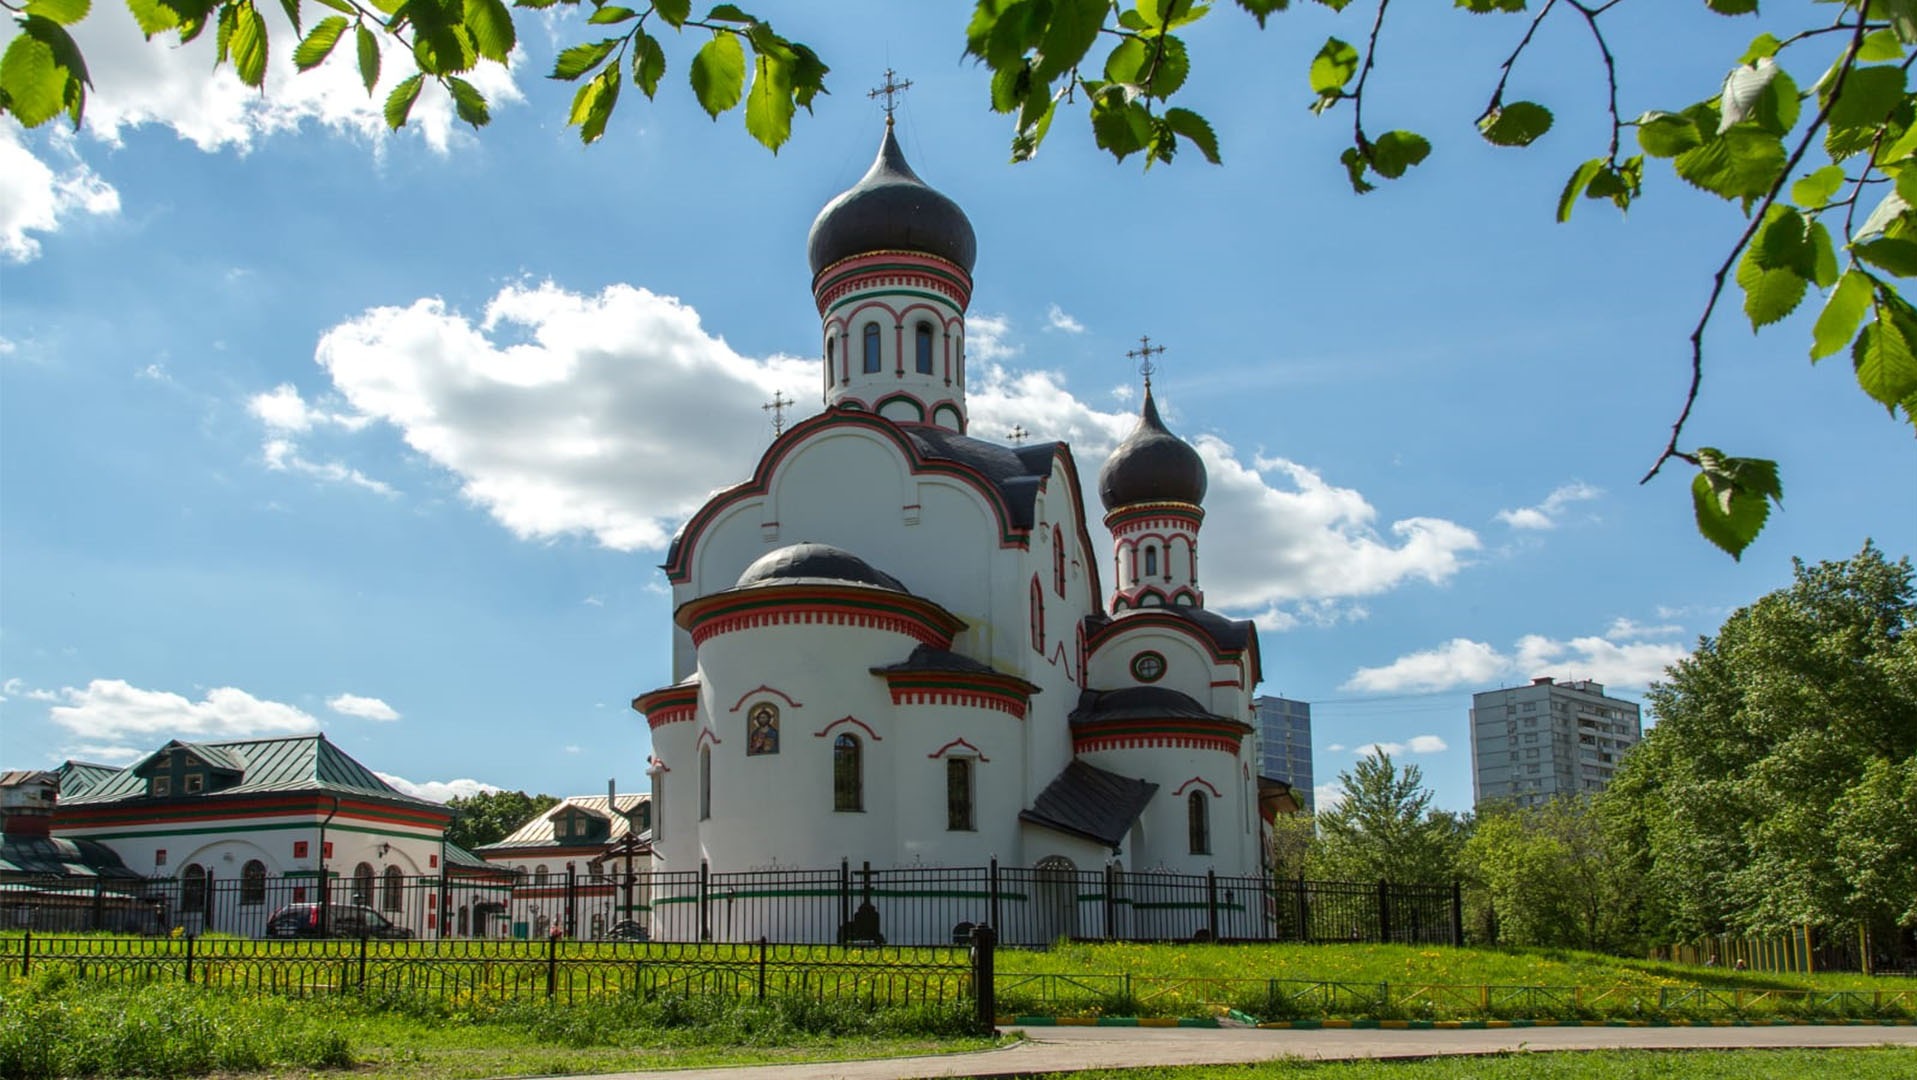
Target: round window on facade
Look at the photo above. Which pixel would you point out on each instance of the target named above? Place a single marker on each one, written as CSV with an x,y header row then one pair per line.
x,y
1148,667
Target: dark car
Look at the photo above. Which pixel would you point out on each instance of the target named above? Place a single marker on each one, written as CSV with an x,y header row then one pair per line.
x,y
341,921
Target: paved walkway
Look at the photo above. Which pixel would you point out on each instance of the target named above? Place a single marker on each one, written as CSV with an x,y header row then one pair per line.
x,y
1062,1049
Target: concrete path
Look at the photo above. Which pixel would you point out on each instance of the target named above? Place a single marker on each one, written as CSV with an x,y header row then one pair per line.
x,y
1066,1049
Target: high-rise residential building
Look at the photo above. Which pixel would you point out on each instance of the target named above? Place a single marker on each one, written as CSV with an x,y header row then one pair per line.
x,y
1284,741
1530,743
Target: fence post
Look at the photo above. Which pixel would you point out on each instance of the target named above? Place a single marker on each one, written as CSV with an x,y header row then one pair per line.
x,y
1111,901
845,896
1384,912
365,943
26,953
705,916
552,966
762,967
1304,910
99,904
1457,913
572,901
1211,904
984,996
993,886
189,958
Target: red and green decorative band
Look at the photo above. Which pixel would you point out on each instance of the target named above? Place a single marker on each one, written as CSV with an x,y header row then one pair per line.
x,y
1130,519
1181,740
137,811
891,269
669,704
974,690
1224,735
803,605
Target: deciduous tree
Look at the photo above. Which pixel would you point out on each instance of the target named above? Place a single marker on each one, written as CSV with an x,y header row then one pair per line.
x,y
491,816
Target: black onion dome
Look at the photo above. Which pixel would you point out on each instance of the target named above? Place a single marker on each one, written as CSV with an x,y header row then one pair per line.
x,y
1151,465
815,562
891,209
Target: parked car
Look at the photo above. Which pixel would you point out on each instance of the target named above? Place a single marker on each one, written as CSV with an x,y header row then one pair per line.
x,y
342,921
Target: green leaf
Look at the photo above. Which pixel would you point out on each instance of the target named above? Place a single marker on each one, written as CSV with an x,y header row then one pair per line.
x,y
1262,9
611,13
769,108
1355,166
1333,67
1815,190
718,74
34,81
1763,45
1517,124
1068,36
1868,97
648,63
153,16
1732,498
1883,355
1394,152
368,58
1160,66
675,12
1880,46
249,45
592,106
292,9
581,58
318,45
399,103
1196,131
1742,89
468,102
1011,87
64,12
1731,7
1034,125
1823,255
491,27
728,13
1842,314
1897,256
1666,135
1741,163
1580,180
1777,266
1119,124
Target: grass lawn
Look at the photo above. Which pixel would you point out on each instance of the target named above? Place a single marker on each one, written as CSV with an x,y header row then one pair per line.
x,y
1870,1064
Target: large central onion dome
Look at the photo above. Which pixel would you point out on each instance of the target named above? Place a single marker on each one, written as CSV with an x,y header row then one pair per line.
x,y
1151,465
891,209
809,562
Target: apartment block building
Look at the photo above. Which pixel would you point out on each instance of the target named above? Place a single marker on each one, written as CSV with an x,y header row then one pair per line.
x,y
1532,743
1284,744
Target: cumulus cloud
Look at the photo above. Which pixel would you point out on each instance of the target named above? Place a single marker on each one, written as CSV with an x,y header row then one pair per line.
x,y
1623,629
282,409
107,714
988,338
1418,744
1326,797
1056,317
1334,748
1462,662
35,197
366,708
438,790
1549,513
542,404
1426,744
282,455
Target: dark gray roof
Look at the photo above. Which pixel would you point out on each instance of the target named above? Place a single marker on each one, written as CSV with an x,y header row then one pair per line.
x,y
1151,465
1140,703
1227,633
79,777
52,856
815,562
890,208
1087,801
1015,472
296,763
927,658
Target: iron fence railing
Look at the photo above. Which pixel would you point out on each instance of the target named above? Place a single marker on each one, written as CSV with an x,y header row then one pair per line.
x,y
845,905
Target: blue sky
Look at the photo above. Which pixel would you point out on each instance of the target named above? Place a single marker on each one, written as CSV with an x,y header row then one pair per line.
x,y
304,425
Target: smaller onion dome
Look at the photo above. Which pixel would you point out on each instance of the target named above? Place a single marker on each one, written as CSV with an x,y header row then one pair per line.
x,y
1151,465
815,562
891,209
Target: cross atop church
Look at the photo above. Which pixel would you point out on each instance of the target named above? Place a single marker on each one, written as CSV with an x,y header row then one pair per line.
x,y
890,92
1143,354
777,407
1018,435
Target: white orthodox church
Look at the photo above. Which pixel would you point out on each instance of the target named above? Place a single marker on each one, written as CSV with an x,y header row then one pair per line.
x,y
893,643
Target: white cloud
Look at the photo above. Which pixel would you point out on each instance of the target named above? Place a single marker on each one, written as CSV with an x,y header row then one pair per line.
x,y
1370,748
35,198
1427,744
986,338
1123,393
283,410
1623,629
542,404
366,708
1549,513
155,371
282,455
112,710
438,790
1334,748
1058,320
1418,744
1326,797
1462,662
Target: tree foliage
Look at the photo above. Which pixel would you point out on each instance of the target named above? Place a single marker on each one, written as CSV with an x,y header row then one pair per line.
x,y
491,816
1551,875
1779,786
1812,136
1385,829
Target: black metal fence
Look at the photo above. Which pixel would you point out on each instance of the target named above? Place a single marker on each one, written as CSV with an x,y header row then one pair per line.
x,y
845,905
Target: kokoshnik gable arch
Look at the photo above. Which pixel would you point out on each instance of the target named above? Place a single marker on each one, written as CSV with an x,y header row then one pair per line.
x,y
892,645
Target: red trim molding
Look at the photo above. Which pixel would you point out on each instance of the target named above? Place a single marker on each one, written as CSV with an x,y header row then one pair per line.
x,y
880,269
1197,780
976,752
867,728
818,605
966,689
704,734
740,704
1227,736
1138,517
668,704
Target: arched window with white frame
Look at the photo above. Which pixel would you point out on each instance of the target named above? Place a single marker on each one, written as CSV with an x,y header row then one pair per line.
x,y
922,348
1198,822
871,348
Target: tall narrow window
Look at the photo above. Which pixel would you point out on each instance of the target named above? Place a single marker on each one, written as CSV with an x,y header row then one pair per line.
x,y
1058,561
848,774
395,884
705,782
923,341
958,794
1151,562
193,888
871,347
1198,821
363,883
253,883
1038,617
831,358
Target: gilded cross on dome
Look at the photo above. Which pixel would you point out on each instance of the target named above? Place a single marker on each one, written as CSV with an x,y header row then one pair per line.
x,y
1143,354
777,407
890,91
